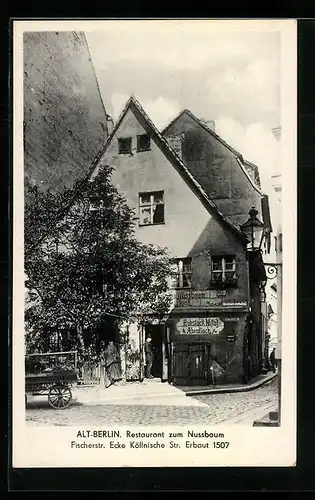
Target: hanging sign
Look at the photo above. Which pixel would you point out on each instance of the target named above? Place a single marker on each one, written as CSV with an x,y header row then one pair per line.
x,y
200,326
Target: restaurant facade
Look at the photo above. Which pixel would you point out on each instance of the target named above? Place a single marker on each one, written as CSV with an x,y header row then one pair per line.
x,y
212,332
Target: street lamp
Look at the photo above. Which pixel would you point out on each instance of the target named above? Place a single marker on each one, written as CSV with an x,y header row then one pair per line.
x,y
254,230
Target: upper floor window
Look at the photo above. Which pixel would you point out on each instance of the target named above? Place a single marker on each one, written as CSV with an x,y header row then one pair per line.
x,y
223,270
151,208
96,210
181,274
96,205
124,145
143,142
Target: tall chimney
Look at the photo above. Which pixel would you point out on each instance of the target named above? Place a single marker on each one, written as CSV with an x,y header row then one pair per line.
x,y
209,123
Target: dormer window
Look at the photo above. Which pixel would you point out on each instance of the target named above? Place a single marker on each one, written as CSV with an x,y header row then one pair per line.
x,y
143,142
151,208
223,270
124,145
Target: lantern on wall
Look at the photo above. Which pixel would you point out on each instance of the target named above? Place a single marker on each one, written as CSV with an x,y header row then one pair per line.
x,y
254,231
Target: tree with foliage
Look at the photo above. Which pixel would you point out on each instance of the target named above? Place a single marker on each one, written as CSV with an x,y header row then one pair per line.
x,y
87,274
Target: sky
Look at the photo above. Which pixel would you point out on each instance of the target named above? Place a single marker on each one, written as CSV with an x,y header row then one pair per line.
x,y
217,72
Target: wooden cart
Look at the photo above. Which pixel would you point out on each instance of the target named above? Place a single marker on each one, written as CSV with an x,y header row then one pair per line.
x,y
55,382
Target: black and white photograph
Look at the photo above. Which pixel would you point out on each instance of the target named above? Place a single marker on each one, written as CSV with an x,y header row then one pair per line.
x,y
154,225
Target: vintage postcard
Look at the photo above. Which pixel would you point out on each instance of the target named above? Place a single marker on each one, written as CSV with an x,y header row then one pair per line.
x,y
154,293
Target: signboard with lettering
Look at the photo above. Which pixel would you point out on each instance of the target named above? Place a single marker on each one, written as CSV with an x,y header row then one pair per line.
x,y
200,326
234,303
203,299
196,298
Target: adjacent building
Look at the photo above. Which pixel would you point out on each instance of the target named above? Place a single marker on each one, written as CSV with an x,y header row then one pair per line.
x,y
65,122
279,250
191,192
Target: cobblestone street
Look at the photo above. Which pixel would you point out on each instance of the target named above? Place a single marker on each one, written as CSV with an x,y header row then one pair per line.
x,y
210,409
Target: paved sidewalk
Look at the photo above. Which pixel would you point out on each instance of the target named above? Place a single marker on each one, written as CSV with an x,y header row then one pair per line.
x,y
220,389
148,392
152,391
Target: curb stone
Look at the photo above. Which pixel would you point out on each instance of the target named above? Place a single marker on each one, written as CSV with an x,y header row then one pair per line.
x,y
231,389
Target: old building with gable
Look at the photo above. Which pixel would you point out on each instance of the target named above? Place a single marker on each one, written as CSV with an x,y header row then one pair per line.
x,y
191,192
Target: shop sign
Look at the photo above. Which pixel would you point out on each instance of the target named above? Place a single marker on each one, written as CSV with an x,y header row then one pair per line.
x,y
234,303
200,326
203,299
196,298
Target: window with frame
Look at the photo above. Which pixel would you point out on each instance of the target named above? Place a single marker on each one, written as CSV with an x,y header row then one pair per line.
x,y
151,208
98,286
96,210
223,270
143,142
181,273
102,283
96,205
124,145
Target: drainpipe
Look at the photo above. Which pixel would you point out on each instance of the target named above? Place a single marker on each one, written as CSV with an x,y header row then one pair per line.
x,y
279,318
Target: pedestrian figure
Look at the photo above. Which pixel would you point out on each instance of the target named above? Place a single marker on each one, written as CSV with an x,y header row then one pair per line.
x,y
112,367
273,360
148,357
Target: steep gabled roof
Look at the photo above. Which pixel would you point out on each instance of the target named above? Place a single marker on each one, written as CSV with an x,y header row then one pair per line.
x,y
133,104
242,163
169,152
255,169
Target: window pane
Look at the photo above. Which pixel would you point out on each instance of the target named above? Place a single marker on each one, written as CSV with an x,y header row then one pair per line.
x,y
186,280
229,258
187,265
158,214
174,268
216,263
229,266
124,145
145,216
174,281
158,197
94,205
145,198
217,276
143,142
230,275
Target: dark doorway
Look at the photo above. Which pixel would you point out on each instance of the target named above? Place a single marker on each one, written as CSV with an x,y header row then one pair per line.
x,y
156,332
191,364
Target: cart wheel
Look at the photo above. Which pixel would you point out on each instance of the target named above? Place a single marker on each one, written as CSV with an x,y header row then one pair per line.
x,y
59,396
